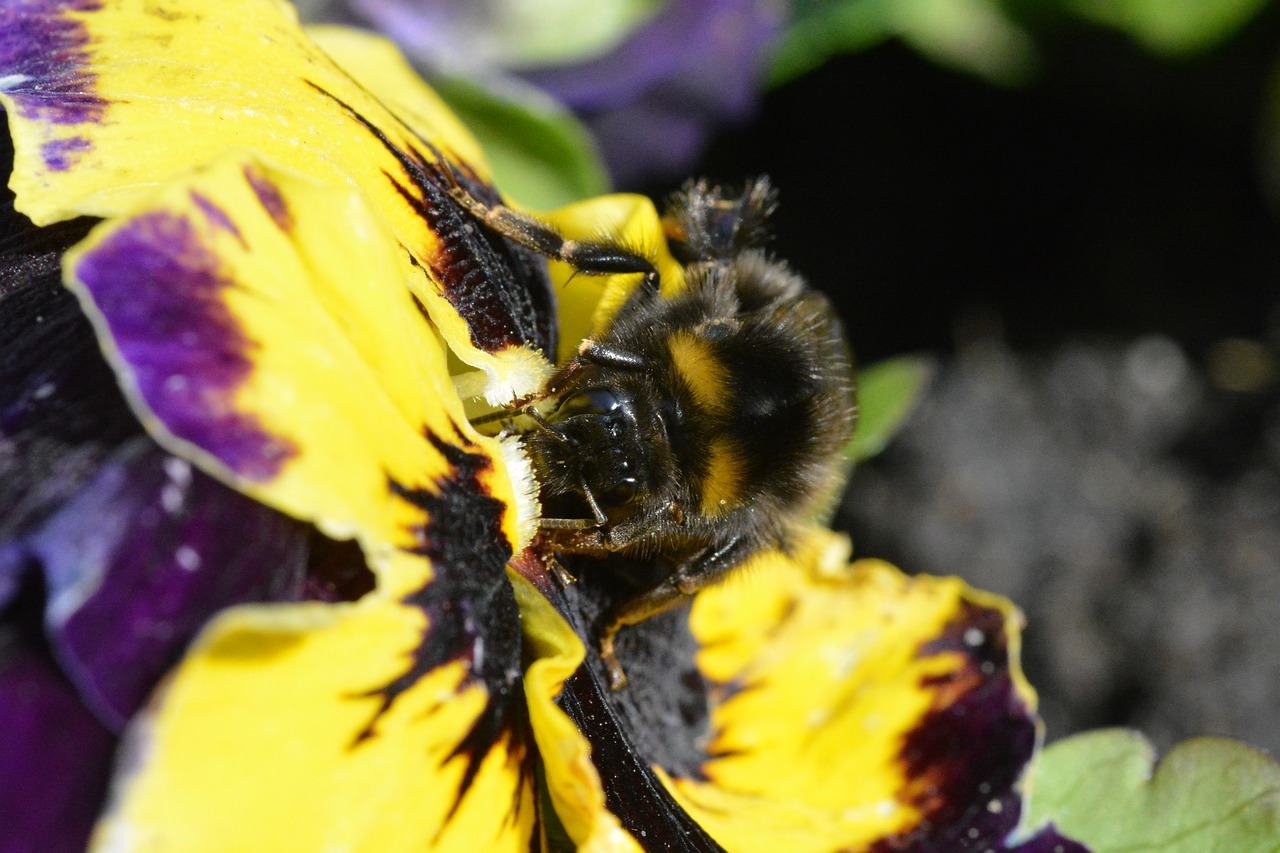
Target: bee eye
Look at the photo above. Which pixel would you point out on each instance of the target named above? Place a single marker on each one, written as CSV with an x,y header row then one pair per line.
x,y
622,492
594,401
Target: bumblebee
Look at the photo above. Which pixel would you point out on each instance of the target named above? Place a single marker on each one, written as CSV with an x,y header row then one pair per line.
x,y
700,427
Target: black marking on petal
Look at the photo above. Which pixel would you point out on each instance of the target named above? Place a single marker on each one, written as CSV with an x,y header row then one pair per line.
x,y
632,790
470,608
500,288
969,750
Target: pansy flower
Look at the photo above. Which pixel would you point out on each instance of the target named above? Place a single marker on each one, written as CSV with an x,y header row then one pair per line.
x,y
295,310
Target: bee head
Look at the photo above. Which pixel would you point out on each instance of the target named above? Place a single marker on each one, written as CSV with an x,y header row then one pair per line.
x,y
596,447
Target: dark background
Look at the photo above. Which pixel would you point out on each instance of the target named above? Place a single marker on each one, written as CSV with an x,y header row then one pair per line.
x,y
1074,252
1118,192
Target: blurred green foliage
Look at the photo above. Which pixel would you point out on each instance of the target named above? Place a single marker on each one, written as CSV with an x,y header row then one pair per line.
x,y
559,32
975,35
887,393
541,155
997,39
1170,27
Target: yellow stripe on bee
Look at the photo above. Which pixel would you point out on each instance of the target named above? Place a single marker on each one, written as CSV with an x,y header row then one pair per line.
x,y
722,487
702,371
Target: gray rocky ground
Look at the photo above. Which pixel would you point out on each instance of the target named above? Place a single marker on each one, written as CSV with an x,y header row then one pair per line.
x,y
1128,501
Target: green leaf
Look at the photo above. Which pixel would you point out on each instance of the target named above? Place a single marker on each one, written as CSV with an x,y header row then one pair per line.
x,y
541,155
820,31
560,32
1208,795
1171,27
987,37
887,392
972,35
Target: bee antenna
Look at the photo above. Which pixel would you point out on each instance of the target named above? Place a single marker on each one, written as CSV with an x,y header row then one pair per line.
x,y
565,523
600,517
545,425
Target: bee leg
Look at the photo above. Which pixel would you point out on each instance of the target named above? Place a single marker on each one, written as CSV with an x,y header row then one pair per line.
x,y
617,676
559,572
569,376
589,257
611,356
657,600
692,575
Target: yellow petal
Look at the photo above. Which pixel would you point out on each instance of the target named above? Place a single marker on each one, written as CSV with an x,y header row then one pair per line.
x,y
257,323
328,727
587,305
572,780
844,696
379,67
105,100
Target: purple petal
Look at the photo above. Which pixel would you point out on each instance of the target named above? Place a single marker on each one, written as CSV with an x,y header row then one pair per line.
x,y
44,57
708,49
648,139
654,101
271,199
1048,841
55,757
142,558
187,352
449,33
61,154
13,562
